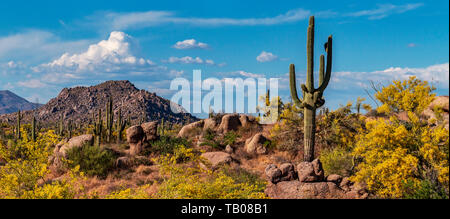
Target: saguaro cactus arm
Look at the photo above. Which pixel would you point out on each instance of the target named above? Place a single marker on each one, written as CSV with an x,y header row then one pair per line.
x,y
293,86
329,51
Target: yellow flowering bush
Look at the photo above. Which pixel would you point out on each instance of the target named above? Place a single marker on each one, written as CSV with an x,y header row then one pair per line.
x,y
401,159
194,182
130,193
412,95
26,165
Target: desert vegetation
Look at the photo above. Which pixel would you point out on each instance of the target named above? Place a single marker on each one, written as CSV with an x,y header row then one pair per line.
x,y
399,149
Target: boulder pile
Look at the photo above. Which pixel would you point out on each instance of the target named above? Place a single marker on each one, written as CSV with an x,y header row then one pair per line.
x,y
309,182
138,136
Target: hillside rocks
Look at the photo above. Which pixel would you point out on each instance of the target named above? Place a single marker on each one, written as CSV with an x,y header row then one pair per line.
x,y
79,103
310,171
439,103
227,123
286,172
64,146
273,173
310,184
135,138
139,135
128,162
256,144
246,120
74,142
188,130
230,122
209,124
150,130
217,159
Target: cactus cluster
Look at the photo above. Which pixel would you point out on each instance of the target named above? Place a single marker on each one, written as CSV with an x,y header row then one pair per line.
x,y
312,97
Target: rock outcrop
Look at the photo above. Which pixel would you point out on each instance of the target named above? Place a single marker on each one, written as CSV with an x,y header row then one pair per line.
x,y
135,138
230,122
256,144
310,171
74,142
150,130
216,159
311,183
188,130
440,103
220,125
139,136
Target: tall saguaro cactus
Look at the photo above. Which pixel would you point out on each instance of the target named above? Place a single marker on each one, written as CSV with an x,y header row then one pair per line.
x,y
312,97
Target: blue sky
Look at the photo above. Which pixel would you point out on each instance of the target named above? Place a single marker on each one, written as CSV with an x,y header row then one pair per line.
x,y
48,45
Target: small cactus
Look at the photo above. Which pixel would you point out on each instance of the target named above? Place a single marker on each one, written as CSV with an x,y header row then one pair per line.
x,y
18,133
312,97
98,128
120,126
109,120
33,129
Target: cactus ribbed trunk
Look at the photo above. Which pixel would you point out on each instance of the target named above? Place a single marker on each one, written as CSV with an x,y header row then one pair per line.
x,y
312,97
309,134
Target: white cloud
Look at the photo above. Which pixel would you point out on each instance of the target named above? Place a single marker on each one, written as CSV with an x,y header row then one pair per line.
x,y
384,10
136,20
437,75
266,57
250,75
411,45
190,44
189,60
113,57
33,83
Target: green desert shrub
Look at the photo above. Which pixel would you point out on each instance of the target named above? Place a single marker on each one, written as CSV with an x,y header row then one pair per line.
x,y
93,160
426,190
230,138
194,182
167,145
336,161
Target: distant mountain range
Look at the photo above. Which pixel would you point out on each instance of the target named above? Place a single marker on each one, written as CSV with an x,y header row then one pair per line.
x,y
80,104
10,103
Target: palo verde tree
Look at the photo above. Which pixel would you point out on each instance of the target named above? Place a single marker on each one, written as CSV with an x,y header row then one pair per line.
x,y
312,97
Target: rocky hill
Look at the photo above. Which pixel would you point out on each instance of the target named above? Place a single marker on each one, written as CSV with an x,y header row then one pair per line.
x,y
80,103
10,102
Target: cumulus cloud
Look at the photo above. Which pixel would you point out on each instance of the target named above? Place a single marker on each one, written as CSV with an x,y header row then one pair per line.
x,y
112,56
384,10
190,44
266,57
